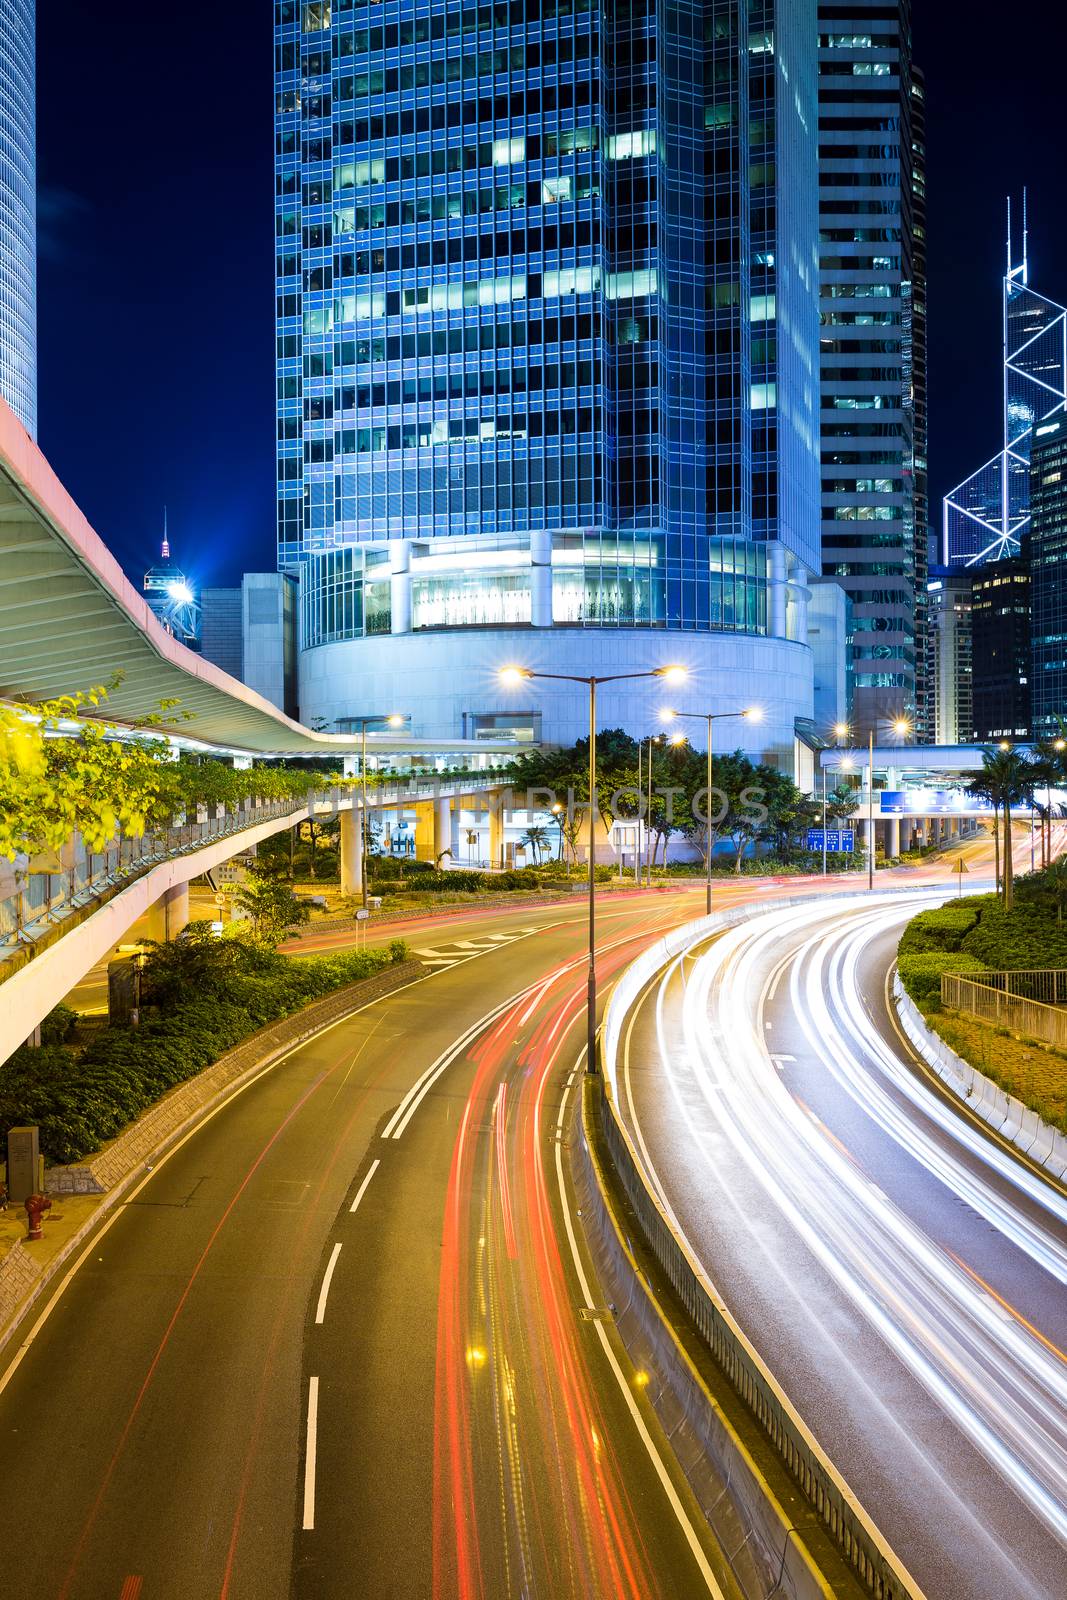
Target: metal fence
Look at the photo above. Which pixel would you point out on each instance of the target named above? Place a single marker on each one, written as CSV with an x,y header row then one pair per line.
x,y
1031,1001
43,900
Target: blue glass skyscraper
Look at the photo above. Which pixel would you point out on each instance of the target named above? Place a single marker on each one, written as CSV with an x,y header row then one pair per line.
x,y
18,212
547,350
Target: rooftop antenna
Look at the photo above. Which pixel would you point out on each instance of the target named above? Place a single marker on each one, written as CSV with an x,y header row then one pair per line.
x,y
165,552
1025,240
1009,237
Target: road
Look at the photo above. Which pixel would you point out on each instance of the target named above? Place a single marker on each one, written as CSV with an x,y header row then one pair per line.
x,y
901,1272
333,1344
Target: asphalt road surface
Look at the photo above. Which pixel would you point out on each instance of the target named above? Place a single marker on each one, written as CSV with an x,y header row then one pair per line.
x,y
901,1272
333,1345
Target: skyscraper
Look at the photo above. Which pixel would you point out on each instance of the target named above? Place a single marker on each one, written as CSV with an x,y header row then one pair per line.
x,y
18,212
547,353
1048,577
986,516
1000,647
873,347
951,670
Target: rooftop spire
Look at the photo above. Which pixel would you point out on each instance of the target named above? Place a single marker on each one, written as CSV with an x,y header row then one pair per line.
x,y
165,551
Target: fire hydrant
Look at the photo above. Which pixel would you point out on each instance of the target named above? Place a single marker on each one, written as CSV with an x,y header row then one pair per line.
x,y
36,1206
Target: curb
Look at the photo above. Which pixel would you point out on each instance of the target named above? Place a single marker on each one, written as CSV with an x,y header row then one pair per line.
x,y
21,1287
1044,1146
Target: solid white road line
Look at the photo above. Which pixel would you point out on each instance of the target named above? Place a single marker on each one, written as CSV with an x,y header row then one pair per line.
x,y
327,1279
649,1443
361,1191
310,1452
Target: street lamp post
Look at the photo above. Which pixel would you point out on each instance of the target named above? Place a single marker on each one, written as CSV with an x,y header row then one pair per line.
x,y
901,726
751,714
394,721
513,675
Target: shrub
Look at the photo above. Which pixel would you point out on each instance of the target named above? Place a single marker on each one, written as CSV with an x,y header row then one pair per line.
x,y
56,1028
1026,936
202,997
920,973
941,929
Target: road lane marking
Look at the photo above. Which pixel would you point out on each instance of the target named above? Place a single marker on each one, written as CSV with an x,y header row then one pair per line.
x,y
310,1453
131,1587
361,1191
649,1443
327,1279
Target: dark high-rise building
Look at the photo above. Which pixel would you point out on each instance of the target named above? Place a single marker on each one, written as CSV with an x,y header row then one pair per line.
x,y
873,347
1048,576
547,354
1000,648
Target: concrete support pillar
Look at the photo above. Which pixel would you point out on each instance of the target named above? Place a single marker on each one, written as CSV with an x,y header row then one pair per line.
x,y
865,832
776,590
797,597
425,830
351,852
442,829
400,585
541,578
170,914
350,766
496,827
892,847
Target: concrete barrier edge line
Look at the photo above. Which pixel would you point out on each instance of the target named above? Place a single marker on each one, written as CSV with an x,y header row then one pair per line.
x,y
1003,1113
174,1135
632,981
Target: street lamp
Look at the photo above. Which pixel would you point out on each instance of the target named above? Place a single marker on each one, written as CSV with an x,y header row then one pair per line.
x,y
393,721
516,675
751,714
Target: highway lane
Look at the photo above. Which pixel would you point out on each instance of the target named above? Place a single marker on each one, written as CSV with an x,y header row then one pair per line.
x,y
902,1275
469,1433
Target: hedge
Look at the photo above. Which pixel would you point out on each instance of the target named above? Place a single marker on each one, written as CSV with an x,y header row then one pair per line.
x,y
80,1101
942,929
458,882
920,973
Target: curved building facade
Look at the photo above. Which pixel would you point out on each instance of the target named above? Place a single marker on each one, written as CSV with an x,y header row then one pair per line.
x,y
547,348
18,212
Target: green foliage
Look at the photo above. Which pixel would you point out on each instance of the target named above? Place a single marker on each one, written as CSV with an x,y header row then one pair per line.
x,y
1025,936
460,881
920,973
941,929
57,1027
272,906
201,997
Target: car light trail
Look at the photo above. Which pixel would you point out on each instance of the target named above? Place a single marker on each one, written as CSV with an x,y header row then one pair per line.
x,y
999,1380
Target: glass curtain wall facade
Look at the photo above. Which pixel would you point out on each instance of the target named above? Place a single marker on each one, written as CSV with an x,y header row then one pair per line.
x,y
873,348
986,516
18,213
546,319
1048,577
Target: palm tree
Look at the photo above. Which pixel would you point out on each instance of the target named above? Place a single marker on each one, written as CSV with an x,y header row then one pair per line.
x,y
1056,878
1005,778
536,838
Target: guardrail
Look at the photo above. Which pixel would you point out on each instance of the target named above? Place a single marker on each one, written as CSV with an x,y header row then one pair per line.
x,y
43,901
1031,1001
853,1531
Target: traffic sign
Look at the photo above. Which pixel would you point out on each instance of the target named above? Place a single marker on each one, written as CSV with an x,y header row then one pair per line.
x,y
362,914
839,839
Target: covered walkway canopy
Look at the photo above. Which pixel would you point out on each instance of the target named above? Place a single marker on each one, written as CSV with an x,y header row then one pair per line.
x,y
70,618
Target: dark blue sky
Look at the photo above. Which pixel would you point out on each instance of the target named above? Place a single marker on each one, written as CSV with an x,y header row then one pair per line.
x,y
156,254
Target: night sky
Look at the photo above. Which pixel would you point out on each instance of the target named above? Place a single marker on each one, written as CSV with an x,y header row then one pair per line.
x,y
156,254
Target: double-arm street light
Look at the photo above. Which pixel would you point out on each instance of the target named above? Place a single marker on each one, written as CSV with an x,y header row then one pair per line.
x,y
751,714
394,721
516,675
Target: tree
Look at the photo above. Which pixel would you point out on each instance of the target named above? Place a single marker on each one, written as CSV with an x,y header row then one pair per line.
x,y
536,838
272,906
1005,779
1056,878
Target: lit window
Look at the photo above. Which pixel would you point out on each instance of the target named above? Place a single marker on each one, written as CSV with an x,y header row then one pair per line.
x,y
761,308
764,396
506,152
316,16
553,190
631,146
